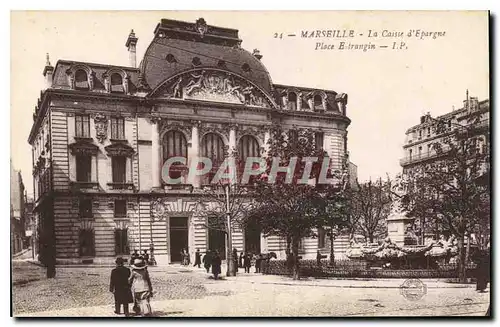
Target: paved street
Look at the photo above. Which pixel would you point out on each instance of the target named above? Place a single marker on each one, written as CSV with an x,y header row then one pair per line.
x,y
189,292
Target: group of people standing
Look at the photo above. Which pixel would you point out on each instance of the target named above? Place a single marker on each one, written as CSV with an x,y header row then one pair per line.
x,y
132,285
212,259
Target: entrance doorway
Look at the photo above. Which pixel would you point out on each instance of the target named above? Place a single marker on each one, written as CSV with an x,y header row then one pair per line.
x,y
178,237
252,238
217,242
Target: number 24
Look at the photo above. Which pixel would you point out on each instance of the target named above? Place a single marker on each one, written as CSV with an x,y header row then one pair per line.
x,y
278,35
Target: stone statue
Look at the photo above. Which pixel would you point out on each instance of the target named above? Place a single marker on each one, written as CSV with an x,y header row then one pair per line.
x,y
177,92
197,82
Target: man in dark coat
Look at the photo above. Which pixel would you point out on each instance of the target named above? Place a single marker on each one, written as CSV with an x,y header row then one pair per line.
x,y
207,261
247,262
119,286
482,271
216,263
235,259
197,258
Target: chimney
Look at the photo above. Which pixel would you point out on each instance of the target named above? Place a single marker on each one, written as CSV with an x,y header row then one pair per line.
x,y
257,54
47,73
131,43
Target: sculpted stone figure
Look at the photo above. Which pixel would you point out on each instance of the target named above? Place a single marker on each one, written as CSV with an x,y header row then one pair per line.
x,y
177,92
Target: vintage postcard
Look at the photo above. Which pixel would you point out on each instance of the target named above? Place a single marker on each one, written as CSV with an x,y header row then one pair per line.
x,y
250,164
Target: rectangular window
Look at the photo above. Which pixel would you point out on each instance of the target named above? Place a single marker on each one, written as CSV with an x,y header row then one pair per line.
x,y
119,169
117,128
319,138
121,242
86,208
120,208
87,245
83,168
82,126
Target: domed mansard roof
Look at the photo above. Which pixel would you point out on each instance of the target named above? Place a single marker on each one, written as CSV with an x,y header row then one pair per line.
x,y
202,62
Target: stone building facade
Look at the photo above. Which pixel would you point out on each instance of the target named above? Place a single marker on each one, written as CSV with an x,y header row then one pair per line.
x,y
101,134
419,138
17,211
418,148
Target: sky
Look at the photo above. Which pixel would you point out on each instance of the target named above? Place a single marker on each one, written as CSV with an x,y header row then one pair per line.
x,y
388,89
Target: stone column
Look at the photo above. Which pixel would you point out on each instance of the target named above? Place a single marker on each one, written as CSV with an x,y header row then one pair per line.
x,y
93,169
194,150
155,153
128,170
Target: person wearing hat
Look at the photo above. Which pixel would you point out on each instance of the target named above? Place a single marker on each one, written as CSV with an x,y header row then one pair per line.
x,y
142,289
216,263
134,255
119,286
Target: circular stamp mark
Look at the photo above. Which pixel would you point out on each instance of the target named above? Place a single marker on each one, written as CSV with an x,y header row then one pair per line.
x,y
413,289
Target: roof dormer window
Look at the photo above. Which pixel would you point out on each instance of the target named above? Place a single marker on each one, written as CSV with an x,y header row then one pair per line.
x,y
117,83
318,102
81,80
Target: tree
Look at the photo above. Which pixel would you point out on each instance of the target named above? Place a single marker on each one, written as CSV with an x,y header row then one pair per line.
x,y
291,208
370,208
336,215
224,207
451,191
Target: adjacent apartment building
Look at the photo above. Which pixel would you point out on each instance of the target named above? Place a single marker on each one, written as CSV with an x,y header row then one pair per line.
x,y
101,134
17,211
418,148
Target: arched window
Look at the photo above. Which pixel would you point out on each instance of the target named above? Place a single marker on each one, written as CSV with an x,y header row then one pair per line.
x,y
248,147
212,147
318,102
292,101
117,83
174,145
81,80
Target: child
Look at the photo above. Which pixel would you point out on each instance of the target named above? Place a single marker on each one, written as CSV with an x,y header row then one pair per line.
x,y
119,286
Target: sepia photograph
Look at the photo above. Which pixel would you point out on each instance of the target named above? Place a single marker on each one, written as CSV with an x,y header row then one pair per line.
x,y
230,164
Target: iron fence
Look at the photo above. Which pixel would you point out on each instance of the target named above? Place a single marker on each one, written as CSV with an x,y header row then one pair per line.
x,y
362,269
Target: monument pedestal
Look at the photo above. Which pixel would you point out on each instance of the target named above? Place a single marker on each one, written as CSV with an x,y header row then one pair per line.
x,y
396,229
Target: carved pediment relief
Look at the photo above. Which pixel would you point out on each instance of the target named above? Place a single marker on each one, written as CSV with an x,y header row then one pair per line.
x,y
119,149
217,86
83,148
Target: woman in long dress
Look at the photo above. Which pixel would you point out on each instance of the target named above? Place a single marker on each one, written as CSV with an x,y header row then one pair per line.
x,y
141,287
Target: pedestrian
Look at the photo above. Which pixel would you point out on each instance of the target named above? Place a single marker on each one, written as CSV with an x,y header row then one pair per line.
x,y
235,259
183,258
145,255
119,286
142,289
188,257
207,260
134,255
216,263
318,258
197,258
247,262
240,262
258,262
482,271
